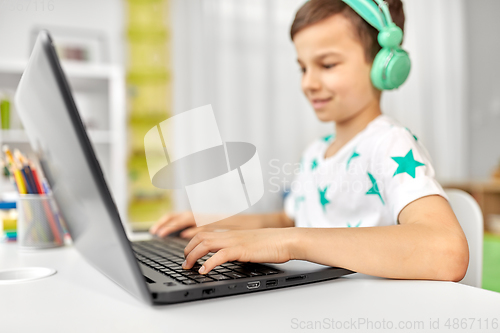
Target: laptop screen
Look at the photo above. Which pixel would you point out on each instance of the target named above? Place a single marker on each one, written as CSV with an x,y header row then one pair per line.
x,y
57,135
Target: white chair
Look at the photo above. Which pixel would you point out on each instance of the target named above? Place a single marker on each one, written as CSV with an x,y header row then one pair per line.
x,y
470,217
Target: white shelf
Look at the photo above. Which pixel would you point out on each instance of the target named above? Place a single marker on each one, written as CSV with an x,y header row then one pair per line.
x,y
19,136
72,69
13,136
12,67
82,77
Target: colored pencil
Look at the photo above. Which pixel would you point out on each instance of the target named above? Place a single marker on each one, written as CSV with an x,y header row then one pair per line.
x,y
23,162
31,179
21,186
36,179
27,182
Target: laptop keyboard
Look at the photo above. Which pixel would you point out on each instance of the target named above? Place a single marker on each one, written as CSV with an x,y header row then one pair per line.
x,y
167,257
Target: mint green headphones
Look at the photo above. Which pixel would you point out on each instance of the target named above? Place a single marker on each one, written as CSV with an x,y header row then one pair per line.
x,y
392,64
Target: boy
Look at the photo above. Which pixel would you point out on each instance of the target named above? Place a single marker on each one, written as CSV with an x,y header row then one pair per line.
x,y
368,195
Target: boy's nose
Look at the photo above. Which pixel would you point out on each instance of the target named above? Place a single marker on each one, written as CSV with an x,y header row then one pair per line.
x,y
310,81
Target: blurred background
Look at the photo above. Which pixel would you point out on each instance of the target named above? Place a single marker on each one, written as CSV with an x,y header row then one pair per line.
x,y
133,63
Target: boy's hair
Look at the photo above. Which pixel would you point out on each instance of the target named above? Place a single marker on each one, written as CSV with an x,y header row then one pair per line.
x,y
315,11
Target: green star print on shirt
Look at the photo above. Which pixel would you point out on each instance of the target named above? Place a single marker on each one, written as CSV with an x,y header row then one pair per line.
x,y
322,197
414,136
407,164
328,138
353,156
374,190
314,164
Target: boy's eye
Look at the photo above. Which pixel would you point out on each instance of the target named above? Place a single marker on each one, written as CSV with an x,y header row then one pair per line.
x,y
328,66
303,70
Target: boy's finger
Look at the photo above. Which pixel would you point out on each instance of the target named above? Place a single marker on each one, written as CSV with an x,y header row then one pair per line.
x,y
156,227
222,256
189,233
199,251
164,219
193,243
173,226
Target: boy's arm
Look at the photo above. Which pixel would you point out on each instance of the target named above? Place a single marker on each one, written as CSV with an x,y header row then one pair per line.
x,y
428,244
239,222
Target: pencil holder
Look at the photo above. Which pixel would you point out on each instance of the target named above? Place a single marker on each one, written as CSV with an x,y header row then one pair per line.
x,y
38,224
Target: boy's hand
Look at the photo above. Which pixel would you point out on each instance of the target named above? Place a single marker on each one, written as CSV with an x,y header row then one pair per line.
x,y
172,222
259,245
177,221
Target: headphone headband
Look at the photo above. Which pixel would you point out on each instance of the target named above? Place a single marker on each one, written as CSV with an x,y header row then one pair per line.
x,y
376,14
384,7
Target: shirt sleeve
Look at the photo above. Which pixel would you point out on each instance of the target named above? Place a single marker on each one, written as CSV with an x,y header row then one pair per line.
x,y
402,171
290,202
290,199
289,205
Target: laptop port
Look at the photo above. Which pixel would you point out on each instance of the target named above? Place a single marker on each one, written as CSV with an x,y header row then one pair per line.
x,y
295,278
271,283
208,291
253,285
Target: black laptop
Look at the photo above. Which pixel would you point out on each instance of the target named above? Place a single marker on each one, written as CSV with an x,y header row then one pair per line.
x,y
150,270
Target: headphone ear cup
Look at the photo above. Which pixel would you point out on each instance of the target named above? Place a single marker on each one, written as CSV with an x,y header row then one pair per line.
x,y
398,69
390,68
378,68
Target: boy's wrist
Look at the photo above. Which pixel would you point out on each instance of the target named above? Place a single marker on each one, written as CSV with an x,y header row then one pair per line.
x,y
296,243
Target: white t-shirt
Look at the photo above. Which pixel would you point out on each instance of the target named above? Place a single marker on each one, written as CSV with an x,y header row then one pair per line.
x,y
366,183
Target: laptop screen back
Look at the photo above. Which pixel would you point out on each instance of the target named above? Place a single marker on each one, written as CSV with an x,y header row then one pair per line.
x,y
53,125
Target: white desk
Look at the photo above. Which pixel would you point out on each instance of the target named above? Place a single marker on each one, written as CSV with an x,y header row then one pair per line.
x,y
79,299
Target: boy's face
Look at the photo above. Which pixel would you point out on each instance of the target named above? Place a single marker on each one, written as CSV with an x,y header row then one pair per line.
x,y
336,74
